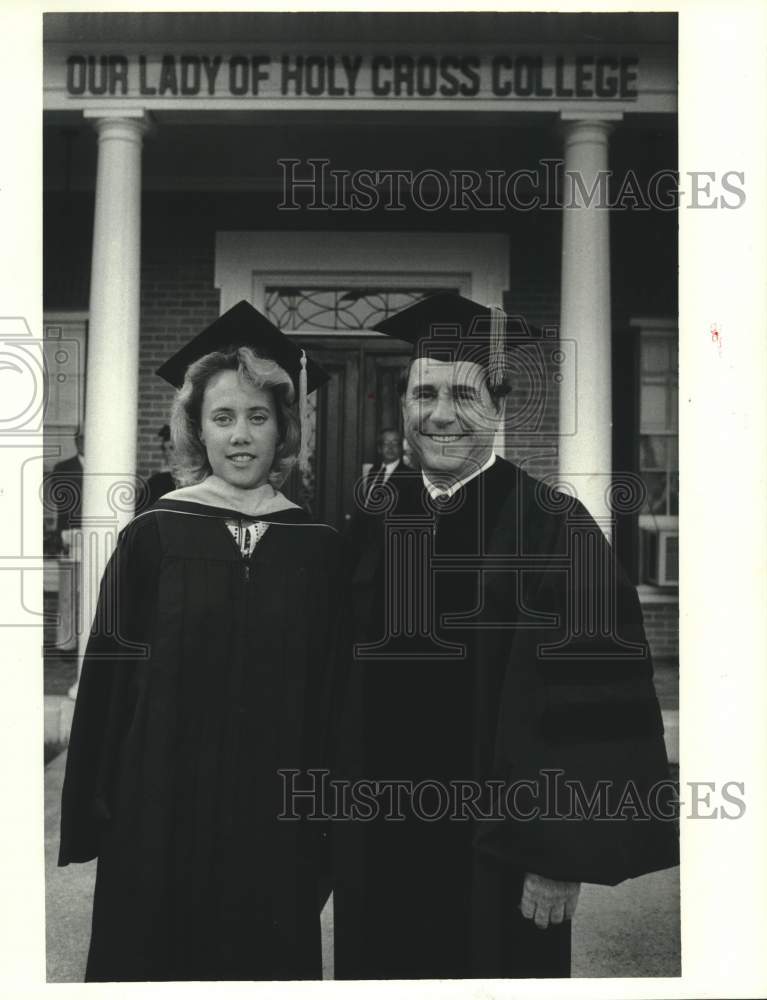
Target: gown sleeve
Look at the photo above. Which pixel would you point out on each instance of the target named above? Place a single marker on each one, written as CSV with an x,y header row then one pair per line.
x,y
106,695
594,801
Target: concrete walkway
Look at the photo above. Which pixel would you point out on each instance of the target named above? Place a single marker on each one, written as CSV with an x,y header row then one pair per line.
x,y
627,930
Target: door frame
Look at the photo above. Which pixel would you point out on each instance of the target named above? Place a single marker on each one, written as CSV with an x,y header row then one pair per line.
x,y
246,262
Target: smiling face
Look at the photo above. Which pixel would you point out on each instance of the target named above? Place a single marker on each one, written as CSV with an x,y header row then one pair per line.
x,y
239,430
450,417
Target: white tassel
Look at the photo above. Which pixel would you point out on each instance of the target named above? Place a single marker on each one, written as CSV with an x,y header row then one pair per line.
x,y
497,361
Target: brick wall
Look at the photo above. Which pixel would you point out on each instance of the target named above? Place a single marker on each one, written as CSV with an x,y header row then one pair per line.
x,y
177,301
662,628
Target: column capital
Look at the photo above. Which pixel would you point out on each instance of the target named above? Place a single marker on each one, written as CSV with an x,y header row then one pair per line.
x,y
594,131
591,117
123,123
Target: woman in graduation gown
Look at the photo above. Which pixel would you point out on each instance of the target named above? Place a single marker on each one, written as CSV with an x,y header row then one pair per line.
x,y
210,669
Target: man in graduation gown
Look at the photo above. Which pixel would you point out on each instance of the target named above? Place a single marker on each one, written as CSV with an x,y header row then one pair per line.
x,y
501,700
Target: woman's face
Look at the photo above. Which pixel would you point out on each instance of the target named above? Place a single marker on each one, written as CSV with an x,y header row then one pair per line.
x,y
239,430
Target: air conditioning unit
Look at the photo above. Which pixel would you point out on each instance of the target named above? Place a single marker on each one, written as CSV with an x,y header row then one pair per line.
x,y
660,556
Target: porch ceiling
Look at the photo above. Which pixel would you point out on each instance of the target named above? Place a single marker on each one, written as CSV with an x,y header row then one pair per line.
x,y
357,26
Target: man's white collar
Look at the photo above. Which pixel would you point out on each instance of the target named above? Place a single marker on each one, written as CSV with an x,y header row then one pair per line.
x,y
438,491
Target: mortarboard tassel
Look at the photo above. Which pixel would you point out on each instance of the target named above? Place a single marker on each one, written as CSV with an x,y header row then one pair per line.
x,y
303,413
497,361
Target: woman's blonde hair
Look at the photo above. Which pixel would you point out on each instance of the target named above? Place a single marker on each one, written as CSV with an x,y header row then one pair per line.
x,y
190,457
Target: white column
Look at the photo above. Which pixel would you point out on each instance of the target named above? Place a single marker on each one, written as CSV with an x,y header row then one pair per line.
x,y
111,389
585,404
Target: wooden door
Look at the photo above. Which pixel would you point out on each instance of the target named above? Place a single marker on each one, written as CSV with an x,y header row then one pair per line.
x,y
337,431
360,400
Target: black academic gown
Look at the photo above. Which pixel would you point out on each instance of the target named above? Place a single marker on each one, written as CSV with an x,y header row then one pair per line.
x,y
204,675
364,533
513,690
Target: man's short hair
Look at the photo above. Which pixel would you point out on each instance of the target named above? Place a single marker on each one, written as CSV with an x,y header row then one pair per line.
x,y
497,392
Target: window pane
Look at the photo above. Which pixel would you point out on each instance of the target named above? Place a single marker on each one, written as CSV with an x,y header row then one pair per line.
x,y
655,483
652,453
673,453
293,308
655,355
674,408
673,498
672,558
653,407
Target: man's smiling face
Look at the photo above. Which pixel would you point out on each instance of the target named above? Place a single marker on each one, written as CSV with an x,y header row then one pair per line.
x,y
450,417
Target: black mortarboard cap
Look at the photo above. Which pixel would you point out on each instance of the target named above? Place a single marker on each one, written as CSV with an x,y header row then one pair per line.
x,y
449,327
244,326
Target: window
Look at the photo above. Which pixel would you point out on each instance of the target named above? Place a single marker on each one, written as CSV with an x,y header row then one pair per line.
x,y
659,450
338,308
64,346
374,266
658,421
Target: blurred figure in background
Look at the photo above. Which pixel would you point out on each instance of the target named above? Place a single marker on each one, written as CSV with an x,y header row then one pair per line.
x,y
65,492
162,482
390,477
389,462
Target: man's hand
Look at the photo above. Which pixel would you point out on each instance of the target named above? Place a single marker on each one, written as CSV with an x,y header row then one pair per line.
x,y
548,902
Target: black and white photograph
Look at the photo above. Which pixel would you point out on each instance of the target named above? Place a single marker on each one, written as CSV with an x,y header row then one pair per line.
x,y
385,627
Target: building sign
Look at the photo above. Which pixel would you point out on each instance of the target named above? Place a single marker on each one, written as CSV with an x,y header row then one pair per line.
x,y
396,75
526,77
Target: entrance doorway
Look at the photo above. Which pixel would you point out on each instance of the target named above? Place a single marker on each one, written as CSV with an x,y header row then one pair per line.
x,y
359,401
328,289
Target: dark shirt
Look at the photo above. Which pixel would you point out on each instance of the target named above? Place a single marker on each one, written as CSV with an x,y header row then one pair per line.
x,y
65,493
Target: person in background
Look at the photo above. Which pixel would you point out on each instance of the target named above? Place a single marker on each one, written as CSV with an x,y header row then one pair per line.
x,y
211,668
389,462
364,534
162,482
65,492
